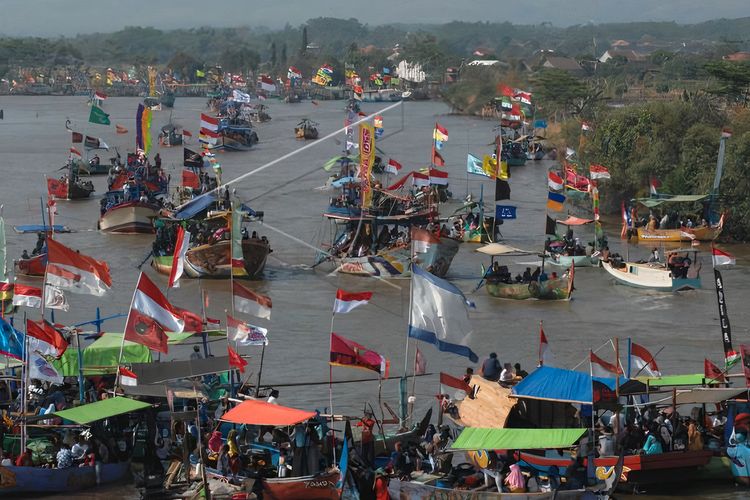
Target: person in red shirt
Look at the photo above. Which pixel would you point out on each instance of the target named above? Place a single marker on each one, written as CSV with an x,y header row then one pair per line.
x,y
381,485
368,437
24,459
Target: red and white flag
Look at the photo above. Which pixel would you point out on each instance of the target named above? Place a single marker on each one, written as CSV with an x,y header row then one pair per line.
x,y
45,339
420,363
127,377
454,383
236,360
545,354
598,171
642,361
555,182
249,302
347,301
245,333
601,368
187,133
393,166
74,151
438,177
419,179
209,122
720,257
267,84
654,184
150,316
73,271
726,133
422,239
586,126
54,298
178,260
28,296
100,95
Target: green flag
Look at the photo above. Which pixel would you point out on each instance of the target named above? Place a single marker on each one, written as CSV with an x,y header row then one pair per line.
x,y
200,74
98,116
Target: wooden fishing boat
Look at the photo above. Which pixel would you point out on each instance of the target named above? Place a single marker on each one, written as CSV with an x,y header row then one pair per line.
x,y
130,217
35,266
214,260
666,467
237,137
653,276
429,489
41,228
306,129
68,188
566,261
320,486
551,289
700,233
38,480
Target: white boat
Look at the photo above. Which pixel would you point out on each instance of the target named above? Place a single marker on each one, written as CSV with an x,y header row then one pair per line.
x,y
566,261
129,217
653,276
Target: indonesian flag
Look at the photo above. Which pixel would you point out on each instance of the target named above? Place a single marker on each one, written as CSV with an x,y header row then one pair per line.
x,y
586,126
127,377
422,239
100,95
209,122
643,361
555,182
455,383
249,302
601,368
245,333
545,355
524,97
236,360
150,316
712,372
187,133
393,166
419,179
347,301
73,271
440,133
654,184
720,257
178,260
598,171
74,151
206,133
267,84
50,341
438,177
726,133
420,363
400,183
28,296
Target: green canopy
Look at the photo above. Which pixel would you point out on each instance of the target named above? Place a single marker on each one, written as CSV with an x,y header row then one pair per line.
x,y
679,198
101,409
475,438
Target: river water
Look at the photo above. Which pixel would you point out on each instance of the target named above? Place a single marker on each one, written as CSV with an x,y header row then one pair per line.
x,y
34,143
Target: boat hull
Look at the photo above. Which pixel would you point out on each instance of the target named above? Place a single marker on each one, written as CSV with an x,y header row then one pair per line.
x,y
637,469
553,289
318,487
214,261
567,260
25,480
394,263
650,277
702,233
129,218
413,490
162,264
516,162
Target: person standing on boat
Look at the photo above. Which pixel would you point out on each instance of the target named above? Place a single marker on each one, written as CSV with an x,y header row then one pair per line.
x,y
491,368
654,259
367,440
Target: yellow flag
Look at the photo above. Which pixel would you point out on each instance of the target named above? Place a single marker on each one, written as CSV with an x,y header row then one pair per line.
x,y
489,165
503,173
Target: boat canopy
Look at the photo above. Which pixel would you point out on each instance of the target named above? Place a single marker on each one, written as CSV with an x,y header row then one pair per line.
x,y
496,249
101,409
574,221
154,373
675,380
560,385
679,198
704,395
475,438
40,228
253,412
195,206
181,389
328,165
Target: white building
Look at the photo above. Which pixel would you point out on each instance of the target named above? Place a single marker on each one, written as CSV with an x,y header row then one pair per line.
x,y
411,72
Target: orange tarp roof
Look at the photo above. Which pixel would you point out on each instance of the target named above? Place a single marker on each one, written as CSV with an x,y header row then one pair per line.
x,y
575,221
261,413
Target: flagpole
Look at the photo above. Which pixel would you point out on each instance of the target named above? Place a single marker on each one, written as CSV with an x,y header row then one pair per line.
x,y
593,420
25,384
541,354
617,384
408,325
122,344
330,390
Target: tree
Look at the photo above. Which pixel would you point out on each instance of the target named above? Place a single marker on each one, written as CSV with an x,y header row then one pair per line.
x,y
283,53
558,91
239,59
303,48
273,54
184,65
735,80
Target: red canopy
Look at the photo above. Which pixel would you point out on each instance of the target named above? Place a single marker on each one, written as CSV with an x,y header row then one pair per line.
x,y
261,413
575,221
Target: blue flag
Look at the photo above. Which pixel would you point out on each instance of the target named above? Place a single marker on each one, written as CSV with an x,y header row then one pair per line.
x,y
540,123
505,212
343,464
11,341
440,314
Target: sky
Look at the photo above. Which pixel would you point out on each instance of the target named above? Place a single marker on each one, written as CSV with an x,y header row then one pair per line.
x,y
69,17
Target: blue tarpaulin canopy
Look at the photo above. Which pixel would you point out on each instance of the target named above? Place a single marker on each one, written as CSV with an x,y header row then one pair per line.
x,y
195,206
558,384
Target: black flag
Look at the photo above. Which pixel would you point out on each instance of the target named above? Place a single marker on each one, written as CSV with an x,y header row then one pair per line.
x,y
191,159
726,329
551,226
502,190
